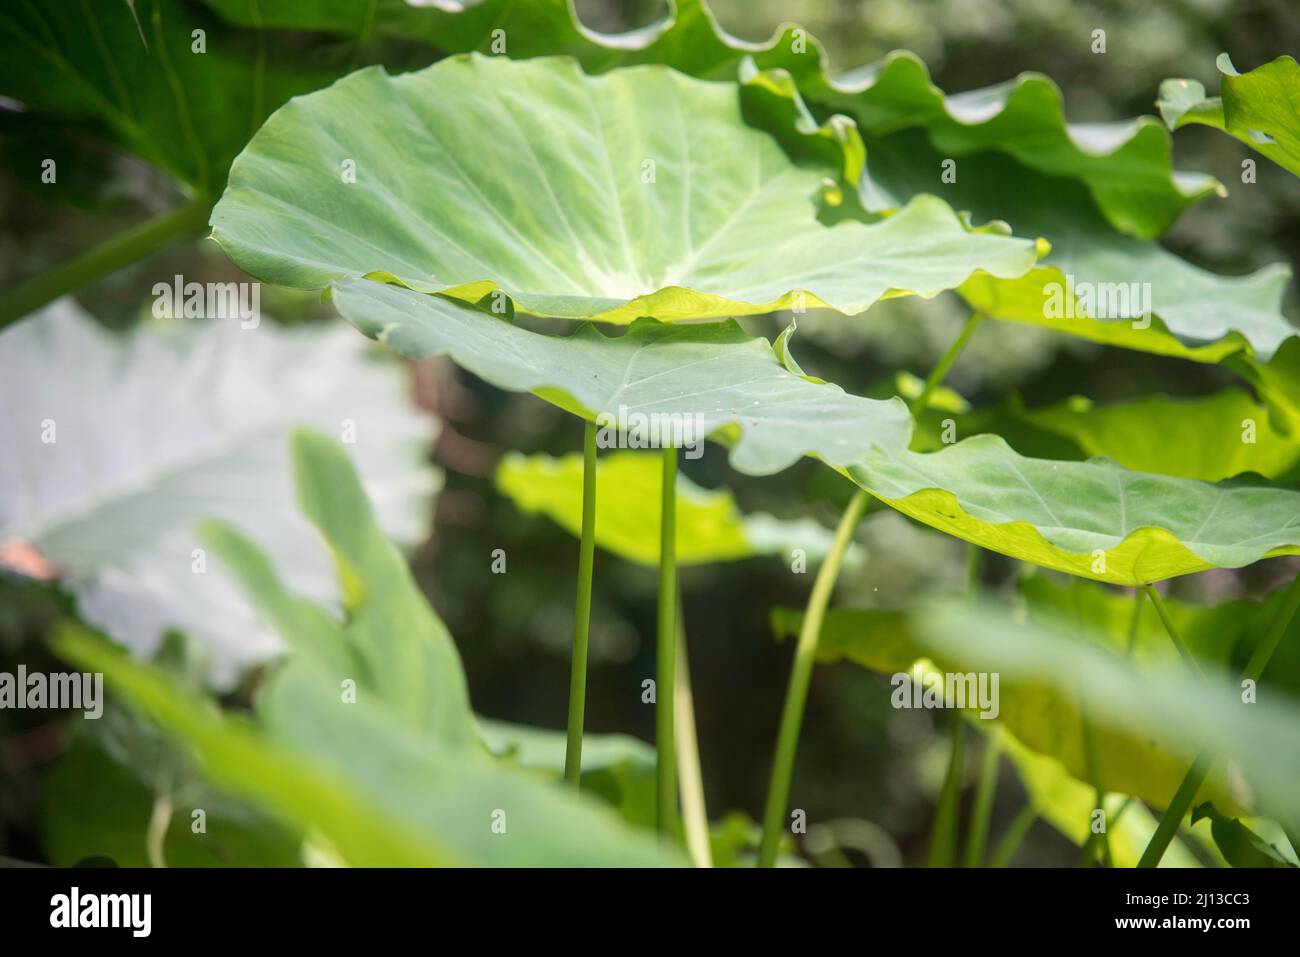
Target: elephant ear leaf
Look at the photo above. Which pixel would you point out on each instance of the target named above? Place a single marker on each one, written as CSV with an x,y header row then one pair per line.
x,y
700,380
1126,165
641,192
1261,107
1093,519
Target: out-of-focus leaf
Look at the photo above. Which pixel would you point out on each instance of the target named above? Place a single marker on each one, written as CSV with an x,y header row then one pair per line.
x,y
116,448
1126,165
616,768
710,526
556,188
1162,702
1092,519
1047,718
1240,846
713,379
383,765
1209,438
1261,107
1067,804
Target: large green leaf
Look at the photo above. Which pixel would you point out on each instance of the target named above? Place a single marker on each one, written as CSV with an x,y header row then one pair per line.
x,y
1047,718
364,738
741,393
1194,314
1093,519
116,446
120,772
1126,165
1261,108
638,193
132,67
1158,700
1210,437
1067,804
710,526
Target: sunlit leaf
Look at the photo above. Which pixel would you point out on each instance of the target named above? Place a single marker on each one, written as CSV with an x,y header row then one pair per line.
x,y
637,193
1126,165
710,526
1093,519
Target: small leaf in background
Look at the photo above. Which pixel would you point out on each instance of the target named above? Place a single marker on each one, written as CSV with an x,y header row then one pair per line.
x,y
1240,846
710,526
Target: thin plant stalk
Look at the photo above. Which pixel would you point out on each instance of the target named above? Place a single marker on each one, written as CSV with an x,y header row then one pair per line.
x,y
787,741
943,836
1181,802
109,256
1094,775
695,814
945,362
666,666
982,812
944,833
1010,843
582,611
1163,611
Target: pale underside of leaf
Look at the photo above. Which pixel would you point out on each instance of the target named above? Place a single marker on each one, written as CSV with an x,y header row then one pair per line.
x,y
1093,519
712,377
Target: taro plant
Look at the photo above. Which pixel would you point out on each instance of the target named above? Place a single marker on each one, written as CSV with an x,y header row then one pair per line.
x,y
717,217
599,222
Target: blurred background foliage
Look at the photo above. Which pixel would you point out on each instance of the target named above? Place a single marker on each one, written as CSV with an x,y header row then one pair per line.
x,y
858,758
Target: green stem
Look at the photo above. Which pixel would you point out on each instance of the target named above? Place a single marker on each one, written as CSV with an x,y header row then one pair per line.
x,y
945,362
582,610
1196,774
1094,775
1011,840
695,814
787,741
943,837
665,757
1168,622
1135,621
124,248
982,812
1086,852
